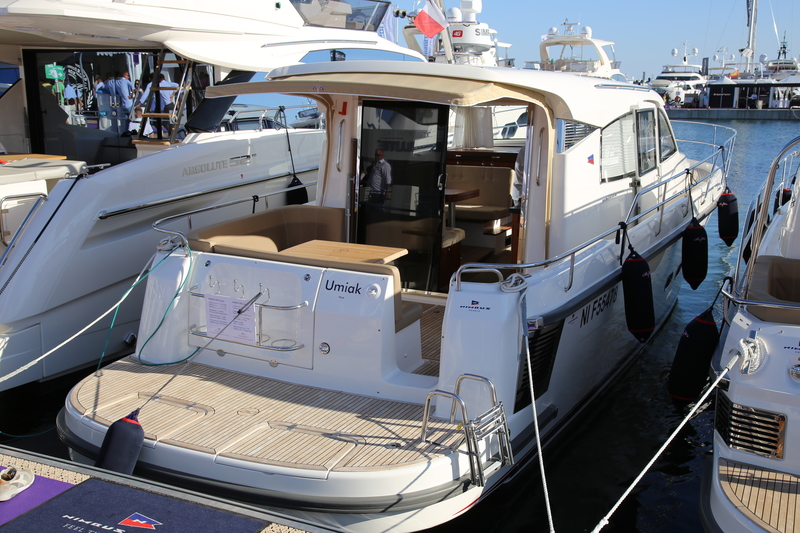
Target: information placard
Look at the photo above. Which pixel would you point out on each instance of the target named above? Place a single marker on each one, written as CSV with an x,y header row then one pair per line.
x,y
223,322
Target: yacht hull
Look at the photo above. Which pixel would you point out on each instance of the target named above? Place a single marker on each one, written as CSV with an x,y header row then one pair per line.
x,y
52,284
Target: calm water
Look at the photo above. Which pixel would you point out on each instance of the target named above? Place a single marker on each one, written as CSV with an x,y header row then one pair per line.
x,y
593,465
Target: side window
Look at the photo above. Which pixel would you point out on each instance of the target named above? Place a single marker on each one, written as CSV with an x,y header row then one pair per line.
x,y
646,130
618,149
668,144
569,133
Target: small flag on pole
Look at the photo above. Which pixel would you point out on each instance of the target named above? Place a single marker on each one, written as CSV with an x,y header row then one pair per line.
x,y
430,20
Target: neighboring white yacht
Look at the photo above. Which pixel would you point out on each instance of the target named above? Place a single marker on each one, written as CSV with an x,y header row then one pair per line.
x,y
89,235
568,52
782,66
579,53
681,83
752,480
375,360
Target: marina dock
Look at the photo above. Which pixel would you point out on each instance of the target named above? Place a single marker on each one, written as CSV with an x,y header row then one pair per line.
x,y
686,113
72,497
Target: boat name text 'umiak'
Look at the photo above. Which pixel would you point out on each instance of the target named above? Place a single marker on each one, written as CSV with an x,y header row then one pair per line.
x,y
331,285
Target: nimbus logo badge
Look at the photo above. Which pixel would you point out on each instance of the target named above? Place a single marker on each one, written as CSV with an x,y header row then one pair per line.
x,y
475,305
140,521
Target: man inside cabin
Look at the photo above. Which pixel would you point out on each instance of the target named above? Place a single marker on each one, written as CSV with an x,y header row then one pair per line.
x,y
379,179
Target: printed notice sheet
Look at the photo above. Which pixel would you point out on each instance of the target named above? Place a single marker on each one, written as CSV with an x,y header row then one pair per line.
x,y
221,310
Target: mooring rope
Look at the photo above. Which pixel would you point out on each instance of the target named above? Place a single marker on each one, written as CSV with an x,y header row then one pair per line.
x,y
187,360
143,274
604,521
141,277
516,283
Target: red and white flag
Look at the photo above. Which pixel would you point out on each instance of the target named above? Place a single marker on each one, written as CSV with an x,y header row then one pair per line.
x,y
430,20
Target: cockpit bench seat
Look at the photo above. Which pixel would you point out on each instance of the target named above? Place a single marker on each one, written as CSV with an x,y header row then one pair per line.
x,y
273,230
775,279
494,184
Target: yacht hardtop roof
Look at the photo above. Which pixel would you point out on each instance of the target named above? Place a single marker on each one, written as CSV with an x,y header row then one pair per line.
x,y
237,34
571,97
574,39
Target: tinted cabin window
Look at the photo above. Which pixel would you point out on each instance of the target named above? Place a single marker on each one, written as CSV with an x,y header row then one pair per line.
x,y
668,145
646,129
618,152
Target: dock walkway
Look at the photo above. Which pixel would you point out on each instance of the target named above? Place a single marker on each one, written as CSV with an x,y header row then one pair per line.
x,y
57,478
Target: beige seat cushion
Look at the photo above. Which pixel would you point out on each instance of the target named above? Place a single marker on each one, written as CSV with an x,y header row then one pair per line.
x,y
451,236
285,226
494,184
775,279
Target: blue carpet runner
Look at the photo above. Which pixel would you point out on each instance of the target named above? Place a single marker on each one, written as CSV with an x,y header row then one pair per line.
x,y
102,507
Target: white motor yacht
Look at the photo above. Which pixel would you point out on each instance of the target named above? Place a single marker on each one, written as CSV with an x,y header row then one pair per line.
x,y
375,360
76,244
579,53
681,83
751,481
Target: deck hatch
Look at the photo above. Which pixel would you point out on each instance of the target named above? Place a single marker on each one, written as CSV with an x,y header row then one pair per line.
x,y
751,430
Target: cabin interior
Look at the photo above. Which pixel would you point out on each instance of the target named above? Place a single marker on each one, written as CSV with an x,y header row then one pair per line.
x,y
450,203
450,200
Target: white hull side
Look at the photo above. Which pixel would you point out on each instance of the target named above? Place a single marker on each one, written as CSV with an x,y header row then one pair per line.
x,y
61,287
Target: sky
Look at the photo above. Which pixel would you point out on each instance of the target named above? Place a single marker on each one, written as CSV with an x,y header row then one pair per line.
x,y
644,32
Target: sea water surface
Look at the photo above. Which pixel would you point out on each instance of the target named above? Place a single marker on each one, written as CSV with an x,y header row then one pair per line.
x,y
590,468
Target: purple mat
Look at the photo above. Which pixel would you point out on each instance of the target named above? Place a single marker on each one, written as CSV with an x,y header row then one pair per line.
x,y
40,491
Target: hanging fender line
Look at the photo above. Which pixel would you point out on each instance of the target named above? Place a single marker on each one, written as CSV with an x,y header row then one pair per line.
x,y
282,113
690,183
623,228
142,275
721,286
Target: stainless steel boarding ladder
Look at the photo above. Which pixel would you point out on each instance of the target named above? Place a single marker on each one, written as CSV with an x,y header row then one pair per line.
x,y
480,428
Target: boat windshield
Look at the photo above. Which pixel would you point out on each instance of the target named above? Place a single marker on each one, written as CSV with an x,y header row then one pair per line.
x,y
571,58
351,14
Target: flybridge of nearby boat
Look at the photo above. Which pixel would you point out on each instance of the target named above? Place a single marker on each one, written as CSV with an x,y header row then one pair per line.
x,y
751,481
579,53
381,352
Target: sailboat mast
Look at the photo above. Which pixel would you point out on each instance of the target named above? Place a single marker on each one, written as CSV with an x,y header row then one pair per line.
x,y
750,51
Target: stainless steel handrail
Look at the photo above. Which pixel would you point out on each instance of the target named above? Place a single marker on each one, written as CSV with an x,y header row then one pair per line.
x,y
219,206
763,215
630,219
157,203
264,306
21,228
758,303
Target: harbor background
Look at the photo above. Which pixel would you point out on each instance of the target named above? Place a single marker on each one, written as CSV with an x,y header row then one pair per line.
x,y
598,457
